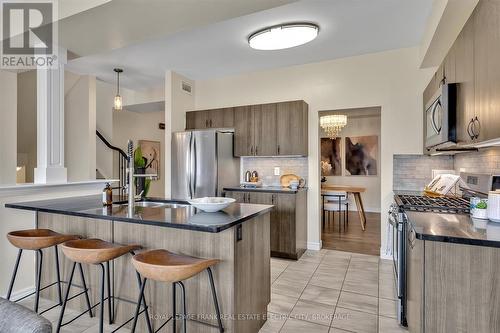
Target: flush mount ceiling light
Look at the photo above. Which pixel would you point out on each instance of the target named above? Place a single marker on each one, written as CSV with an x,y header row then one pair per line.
x,y
333,124
118,105
283,36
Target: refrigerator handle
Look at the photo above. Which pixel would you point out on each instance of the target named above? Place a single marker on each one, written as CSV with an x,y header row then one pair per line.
x,y
189,171
195,171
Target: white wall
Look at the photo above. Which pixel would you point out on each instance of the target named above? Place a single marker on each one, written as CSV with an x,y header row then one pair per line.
x,y
104,124
80,125
390,79
141,126
26,122
118,127
177,102
8,127
360,122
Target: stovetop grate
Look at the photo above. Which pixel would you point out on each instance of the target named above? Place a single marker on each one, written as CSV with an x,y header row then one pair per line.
x,y
430,204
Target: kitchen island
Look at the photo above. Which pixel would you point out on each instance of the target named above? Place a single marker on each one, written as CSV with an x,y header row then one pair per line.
x,y
239,236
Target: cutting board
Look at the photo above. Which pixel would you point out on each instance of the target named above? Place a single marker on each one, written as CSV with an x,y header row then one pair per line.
x,y
286,179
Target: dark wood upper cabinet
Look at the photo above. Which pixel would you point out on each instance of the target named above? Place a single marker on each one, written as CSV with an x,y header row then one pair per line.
x,y
473,62
292,129
487,69
464,70
221,118
243,131
449,66
265,136
260,130
197,120
214,118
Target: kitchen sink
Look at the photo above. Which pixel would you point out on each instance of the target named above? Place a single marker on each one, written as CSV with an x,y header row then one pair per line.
x,y
159,204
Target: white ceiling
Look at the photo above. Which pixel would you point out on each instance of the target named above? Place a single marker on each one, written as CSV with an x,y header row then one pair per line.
x,y
347,28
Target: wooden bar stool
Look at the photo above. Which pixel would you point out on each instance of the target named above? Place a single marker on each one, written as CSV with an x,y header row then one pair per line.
x,y
36,240
97,252
164,266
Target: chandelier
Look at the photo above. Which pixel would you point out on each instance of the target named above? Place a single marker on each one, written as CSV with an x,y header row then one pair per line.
x,y
333,124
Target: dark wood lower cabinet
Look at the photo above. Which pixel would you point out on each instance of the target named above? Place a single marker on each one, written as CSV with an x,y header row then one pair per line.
x,y
452,287
288,219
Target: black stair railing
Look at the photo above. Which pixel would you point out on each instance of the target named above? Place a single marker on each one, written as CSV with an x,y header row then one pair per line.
x,y
122,163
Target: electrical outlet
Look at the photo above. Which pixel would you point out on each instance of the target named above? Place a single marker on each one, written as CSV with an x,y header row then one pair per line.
x,y
276,171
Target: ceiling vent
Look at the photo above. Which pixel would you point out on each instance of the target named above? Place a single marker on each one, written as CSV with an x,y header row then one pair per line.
x,y
187,88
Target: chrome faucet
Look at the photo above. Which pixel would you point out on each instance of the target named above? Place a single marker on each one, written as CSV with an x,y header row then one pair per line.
x,y
130,177
130,186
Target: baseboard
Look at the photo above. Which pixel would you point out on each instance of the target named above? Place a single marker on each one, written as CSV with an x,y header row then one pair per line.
x,y
20,293
315,246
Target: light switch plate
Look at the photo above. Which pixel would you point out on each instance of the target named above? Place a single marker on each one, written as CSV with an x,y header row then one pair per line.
x,y
276,171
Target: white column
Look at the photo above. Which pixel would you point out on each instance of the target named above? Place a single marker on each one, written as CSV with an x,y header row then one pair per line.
x,y
50,124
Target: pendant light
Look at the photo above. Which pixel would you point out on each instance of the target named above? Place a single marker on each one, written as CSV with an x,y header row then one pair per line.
x,y
118,105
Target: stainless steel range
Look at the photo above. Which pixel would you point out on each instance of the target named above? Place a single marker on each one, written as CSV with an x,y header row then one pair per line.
x,y
430,204
398,219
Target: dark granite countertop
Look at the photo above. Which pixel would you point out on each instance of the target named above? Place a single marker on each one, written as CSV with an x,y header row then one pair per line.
x,y
275,189
454,228
186,217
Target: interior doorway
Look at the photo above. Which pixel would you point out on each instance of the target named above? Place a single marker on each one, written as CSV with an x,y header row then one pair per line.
x,y
350,184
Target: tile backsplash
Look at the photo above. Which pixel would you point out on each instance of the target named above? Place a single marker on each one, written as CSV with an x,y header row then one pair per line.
x,y
484,161
413,172
265,167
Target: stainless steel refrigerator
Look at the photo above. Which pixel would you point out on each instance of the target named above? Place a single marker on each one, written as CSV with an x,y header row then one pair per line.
x,y
203,163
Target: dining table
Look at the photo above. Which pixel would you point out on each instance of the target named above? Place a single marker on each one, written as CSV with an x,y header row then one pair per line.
x,y
355,191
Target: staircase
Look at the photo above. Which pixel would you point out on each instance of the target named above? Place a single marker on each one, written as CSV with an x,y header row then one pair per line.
x,y
121,167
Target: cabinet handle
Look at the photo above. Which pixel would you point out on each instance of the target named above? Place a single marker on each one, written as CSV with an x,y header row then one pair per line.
x,y
210,122
272,199
469,129
206,123
251,150
278,149
476,134
256,150
249,197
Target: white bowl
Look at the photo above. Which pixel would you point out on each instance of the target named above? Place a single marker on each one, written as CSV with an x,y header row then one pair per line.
x,y
211,204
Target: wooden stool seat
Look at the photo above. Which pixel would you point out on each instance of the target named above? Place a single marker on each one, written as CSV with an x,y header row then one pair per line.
x,y
162,265
95,251
36,239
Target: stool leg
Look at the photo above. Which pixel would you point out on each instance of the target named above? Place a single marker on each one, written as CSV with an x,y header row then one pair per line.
x,y
138,307
184,307
101,309
110,309
216,303
174,311
347,209
143,299
39,279
66,296
87,299
58,274
16,266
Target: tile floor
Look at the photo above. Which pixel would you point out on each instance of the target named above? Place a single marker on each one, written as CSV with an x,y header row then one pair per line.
x,y
325,291
332,291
